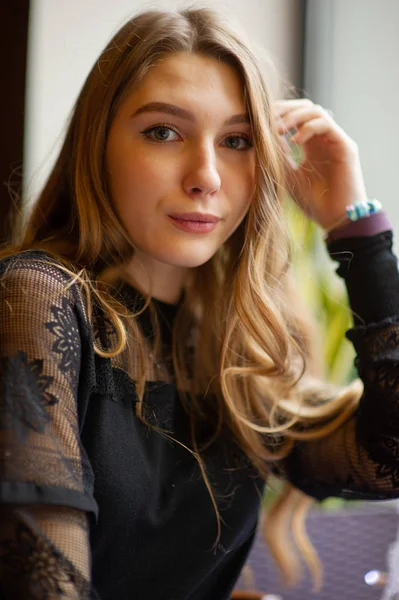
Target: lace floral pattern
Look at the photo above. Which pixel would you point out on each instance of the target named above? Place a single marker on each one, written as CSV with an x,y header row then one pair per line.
x,y
388,460
387,339
387,378
24,396
37,566
46,479
382,445
67,334
33,568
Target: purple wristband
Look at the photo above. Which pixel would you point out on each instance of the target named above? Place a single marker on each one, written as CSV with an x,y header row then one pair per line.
x,y
368,226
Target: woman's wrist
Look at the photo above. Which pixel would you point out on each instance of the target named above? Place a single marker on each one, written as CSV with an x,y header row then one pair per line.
x,y
354,212
372,225
360,212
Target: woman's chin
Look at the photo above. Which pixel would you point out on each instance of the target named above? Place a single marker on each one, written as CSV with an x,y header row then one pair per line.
x,y
187,259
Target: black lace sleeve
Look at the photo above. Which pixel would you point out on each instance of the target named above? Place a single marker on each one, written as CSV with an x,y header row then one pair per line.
x,y
45,476
361,459
44,553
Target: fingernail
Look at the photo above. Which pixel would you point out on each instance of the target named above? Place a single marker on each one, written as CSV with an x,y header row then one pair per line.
x,y
290,133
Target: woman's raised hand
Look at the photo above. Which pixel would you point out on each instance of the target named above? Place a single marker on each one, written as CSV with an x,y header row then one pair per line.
x,y
330,176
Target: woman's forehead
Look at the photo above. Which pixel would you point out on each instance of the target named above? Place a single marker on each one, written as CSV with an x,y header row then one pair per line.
x,y
192,81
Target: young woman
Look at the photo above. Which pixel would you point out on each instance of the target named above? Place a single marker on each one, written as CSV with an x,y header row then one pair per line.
x,y
155,367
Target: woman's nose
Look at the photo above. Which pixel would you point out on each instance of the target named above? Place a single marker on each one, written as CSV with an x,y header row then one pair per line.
x,y
202,178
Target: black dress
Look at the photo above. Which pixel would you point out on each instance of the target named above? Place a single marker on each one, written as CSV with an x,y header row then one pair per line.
x,y
94,504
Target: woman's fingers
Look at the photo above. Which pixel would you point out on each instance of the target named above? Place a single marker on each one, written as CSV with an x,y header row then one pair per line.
x,y
298,116
311,128
303,120
281,107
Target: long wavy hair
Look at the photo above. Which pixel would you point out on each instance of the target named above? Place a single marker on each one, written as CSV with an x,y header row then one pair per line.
x,y
253,352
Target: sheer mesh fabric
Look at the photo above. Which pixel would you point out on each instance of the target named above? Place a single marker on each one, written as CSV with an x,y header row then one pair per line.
x,y
361,460
46,481
45,477
44,553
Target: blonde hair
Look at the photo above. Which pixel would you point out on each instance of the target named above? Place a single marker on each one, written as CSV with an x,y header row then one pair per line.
x,y
253,352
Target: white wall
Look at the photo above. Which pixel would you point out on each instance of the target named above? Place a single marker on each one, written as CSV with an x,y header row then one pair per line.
x,y
66,36
352,52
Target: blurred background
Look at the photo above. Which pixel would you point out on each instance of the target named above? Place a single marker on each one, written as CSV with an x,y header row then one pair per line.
x,y
340,53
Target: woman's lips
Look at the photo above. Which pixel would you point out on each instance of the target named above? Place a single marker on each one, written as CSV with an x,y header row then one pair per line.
x,y
194,222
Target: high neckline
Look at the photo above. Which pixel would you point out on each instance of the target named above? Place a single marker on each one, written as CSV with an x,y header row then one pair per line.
x,y
131,294
134,300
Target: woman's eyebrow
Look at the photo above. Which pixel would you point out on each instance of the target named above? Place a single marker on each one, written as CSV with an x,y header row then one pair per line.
x,y
176,111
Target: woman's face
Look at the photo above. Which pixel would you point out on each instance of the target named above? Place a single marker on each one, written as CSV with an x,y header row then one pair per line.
x,y
180,160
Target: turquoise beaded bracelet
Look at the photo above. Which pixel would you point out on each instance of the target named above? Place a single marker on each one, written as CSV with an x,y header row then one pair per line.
x,y
360,210
357,211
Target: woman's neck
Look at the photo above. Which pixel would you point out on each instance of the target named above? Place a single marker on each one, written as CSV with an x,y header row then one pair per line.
x,y
162,281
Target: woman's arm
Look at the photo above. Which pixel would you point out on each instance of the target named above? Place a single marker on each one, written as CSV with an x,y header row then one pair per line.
x,y
361,459
45,476
44,553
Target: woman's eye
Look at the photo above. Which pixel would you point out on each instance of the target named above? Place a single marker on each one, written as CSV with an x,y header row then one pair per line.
x,y
161,133
238,142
